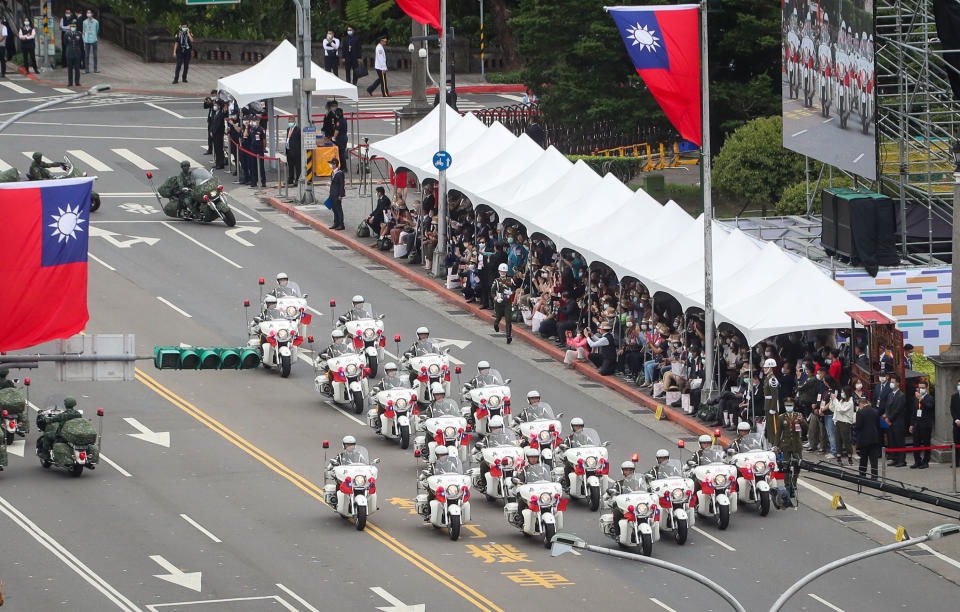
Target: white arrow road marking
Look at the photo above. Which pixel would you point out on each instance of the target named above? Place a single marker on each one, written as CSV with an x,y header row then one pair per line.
x,y
301,600
233,234
161,438
67,557
460,344
119,240
16,448
200,528
395,604
66,90
715,539
188,580
90,160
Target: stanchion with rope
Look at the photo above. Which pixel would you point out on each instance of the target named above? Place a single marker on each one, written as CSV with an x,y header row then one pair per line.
x,y
953,447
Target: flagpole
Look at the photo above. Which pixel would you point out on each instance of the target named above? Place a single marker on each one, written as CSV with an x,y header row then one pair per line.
x,y
440,253
707,206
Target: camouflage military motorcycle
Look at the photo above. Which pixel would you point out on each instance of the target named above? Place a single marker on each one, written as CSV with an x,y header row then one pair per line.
x,y
200,198
11,175
72,444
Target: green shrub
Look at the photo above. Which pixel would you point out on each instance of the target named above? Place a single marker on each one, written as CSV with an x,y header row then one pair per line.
x,y
505,78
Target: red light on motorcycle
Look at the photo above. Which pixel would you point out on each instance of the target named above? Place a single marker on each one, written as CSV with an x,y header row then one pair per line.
x,y
469,427
483,401
12,425
326,444
772,464
260,281
533,499
206,198
26,381
340,370
716,432
681,443
634,457
630,508
457,369
580,461
309,338
99,411
372,481
348,479
396,338
460,431
246,303
413,397
552,427
4,413
505,461
333,303
389,402
439,432
219,187
149,175
83,456
416,453
367,371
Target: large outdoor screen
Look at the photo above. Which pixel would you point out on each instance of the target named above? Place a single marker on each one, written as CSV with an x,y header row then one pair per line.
x,y
829,97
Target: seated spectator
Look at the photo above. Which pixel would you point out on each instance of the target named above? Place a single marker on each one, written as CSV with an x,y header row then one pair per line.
x,y
578,349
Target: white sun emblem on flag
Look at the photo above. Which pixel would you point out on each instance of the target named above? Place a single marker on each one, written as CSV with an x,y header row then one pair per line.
x,y
66,223
644,37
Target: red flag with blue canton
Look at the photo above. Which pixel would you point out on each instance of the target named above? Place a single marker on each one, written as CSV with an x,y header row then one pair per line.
x,y
43,255
664,44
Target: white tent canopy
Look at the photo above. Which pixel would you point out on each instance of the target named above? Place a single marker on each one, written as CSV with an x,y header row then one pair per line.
x,y
272,77
758,288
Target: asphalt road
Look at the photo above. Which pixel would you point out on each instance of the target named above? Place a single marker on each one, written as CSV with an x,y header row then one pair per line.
x,y
235,495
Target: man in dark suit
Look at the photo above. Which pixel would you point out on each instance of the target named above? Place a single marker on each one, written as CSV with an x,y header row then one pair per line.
x,y
350,54
337,191
955,417
216,134
868,438
895,416
293,152
922,426
376,217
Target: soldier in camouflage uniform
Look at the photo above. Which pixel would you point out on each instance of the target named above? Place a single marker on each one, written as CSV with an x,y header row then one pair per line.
x,y
771,400
4,383
173,188
38,168
53,425
790,428
502,292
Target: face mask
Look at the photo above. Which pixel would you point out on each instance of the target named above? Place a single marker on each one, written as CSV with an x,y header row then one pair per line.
x,y
184,28
767,353
958,388
893,385
89,14
843,395
786,370
746,380
819,376
859,386
473,267
68,15
73,29
26,23
788,408
291,124
923,391
629,323
510,240
828,361
329,36
644,328
349,32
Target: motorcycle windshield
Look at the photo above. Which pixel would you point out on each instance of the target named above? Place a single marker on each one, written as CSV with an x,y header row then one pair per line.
x,y
448,465
504,437
632,484
537,473
585,437
753,442
539,412
426,347
54,402
338,348
446,407
714,454
365,311
670,469
291,289
491,378
395,382
358,455
200,175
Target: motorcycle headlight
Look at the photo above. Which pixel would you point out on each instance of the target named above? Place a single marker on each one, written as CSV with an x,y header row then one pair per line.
x,y
590,462
291,312
493,401
400,404
642,509
283,335
359,481
760,467
352,369
544,436
720,480
546,499
213,192
453,492
369,334
677,494
449,432
433,370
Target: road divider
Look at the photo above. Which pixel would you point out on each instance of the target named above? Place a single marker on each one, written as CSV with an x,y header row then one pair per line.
x,y
201,528
303,602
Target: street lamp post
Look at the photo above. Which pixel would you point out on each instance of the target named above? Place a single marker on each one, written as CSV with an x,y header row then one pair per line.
x,y
304,95
93,90
440,256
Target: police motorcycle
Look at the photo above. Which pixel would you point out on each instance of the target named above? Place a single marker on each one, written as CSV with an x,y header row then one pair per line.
x,y
446,504
75,445
342,374
539,428
756,466
427,363
673,490
365,331
353,492
394,400
584,459
825,72
206,193
441,425
632,512
11,175
716,496
291,302
807,54
13,414
488,395
277,337
501,454
543,503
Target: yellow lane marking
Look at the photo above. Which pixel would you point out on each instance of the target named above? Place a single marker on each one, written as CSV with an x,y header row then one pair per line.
x,y
316,492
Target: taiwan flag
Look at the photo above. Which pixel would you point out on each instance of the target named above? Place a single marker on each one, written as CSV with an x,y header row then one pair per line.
x,y
423,11
44,229
664,44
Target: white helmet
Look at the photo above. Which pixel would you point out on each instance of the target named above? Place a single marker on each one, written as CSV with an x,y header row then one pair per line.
x,y
390,366
437,388
442,451
348,440
770,363
423,330
502,268
357,299
663,453
282,276
576,421
743,426
628,465
270,299
534,394
337,333
531,452
705,439
496,421
483,365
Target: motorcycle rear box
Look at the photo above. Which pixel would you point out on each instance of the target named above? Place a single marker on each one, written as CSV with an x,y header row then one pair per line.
x,y
79,431
12,401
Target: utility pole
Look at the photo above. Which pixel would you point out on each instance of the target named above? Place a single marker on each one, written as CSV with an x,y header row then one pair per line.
x,y
440,256
418,108
303,91
705,184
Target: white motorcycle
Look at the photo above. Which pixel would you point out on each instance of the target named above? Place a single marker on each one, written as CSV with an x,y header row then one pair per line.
x,y
353,492
585,460
442,425
394,402
367,336
488,395
447,501
544,504
756,472
500,452
427,363
279,341
717,493
673,491
346,376
634,517
293,304
540,429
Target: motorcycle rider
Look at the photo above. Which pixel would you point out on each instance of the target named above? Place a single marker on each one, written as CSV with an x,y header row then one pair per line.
x,y
438,392
440,466
629,470
50,433
533,398
420,344
4,383
705,442
281,288
390,380
174,187
576,424
358,311
343,457
663,455
495,426
270,310
38,168
743,428
532,457
483,368
337,347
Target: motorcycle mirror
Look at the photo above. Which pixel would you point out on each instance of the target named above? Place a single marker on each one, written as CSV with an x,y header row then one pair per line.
x,y
260,281
149,175
99,412
342,319
731,452
306,295
381,317
326,444
407,355
375,390
376,461
612,491
507,381
559,415
648,477
692,463
478,446
606,444
515,480
324,356
246,303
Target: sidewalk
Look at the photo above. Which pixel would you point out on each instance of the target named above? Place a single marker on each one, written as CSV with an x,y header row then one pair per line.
x,y
125,71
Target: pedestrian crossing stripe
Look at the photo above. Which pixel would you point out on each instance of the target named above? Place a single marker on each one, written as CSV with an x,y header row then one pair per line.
x,y
135,159
178,156
90,160
4,166
64,90
29,155
17,88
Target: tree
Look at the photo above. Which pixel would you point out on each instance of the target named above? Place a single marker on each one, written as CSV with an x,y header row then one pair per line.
x,y
505,35
754,167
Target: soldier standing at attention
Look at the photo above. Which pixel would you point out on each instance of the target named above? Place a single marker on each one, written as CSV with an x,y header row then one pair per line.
x,y
790,428
771,399
502,293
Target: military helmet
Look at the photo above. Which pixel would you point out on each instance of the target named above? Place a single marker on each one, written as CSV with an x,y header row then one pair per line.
x,y
663,453
437,388
442,451
770,363
743,426
69,402
423,330
390,366
502,268
37,156
270,299
627,465
185,164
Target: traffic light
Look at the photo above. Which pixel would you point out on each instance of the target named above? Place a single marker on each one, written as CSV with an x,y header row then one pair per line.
x,y
205,358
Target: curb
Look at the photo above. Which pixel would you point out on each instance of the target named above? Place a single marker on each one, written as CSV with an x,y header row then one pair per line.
x,y
158,92
689,423
488,88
